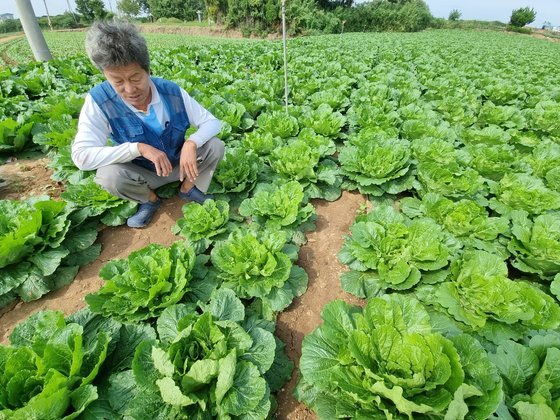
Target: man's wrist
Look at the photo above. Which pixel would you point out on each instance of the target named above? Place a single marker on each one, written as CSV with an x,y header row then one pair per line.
x,y
191,143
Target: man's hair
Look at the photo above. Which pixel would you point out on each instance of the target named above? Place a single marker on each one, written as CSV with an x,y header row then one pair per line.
x,y
115,44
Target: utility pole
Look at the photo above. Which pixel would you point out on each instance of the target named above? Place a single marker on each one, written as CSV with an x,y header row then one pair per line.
x,y
48,15
32,31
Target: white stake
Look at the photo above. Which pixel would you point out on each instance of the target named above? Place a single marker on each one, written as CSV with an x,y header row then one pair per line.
x,y
285,54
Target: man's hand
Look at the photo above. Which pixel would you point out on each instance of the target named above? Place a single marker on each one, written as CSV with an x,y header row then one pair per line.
x,y
157,157
187,163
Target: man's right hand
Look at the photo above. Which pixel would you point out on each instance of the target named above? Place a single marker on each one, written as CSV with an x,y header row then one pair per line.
x,y
157,157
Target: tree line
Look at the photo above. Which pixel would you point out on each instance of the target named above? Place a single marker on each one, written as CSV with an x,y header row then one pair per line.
x,y
260,17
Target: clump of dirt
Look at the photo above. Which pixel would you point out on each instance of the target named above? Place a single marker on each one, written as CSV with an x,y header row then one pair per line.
x,y
24,178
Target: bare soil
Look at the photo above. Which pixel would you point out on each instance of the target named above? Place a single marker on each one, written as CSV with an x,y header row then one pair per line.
x,y
318,258
27,178
24,178
10,37
548,38
5,44
217,31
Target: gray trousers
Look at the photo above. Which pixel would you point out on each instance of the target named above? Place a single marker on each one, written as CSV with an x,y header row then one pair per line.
x,y
133,182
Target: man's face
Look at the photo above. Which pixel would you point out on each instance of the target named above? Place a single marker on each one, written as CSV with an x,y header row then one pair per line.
x,y
132,83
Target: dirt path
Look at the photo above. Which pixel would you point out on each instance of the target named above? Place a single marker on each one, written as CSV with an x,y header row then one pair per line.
x,y
318,257
216,31
5,44
10,37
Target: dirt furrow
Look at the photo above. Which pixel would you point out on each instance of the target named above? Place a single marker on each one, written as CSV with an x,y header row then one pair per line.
x,y
318,257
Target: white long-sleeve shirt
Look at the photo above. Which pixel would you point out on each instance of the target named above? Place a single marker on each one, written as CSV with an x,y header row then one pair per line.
x,y
90,150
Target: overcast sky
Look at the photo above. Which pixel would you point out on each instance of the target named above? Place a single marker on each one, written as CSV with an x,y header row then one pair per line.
x,y
547,10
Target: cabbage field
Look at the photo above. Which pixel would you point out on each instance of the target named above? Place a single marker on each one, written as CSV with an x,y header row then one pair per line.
x,y
452,137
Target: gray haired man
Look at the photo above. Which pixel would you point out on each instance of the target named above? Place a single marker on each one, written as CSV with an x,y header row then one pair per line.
x,y
146,119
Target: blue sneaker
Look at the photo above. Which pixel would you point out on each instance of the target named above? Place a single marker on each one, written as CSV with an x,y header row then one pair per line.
x,y
144,214
194,194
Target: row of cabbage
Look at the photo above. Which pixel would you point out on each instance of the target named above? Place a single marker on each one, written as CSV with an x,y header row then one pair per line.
x,y
461,272
179,331
442,122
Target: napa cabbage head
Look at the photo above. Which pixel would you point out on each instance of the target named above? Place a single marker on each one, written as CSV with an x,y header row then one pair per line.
x,y
385,360
20,224
376,163
204,366
392,251
237,172
480,296
203,222
277,205
143,285
522,191
48,370
323,120
258,264
440,170
468,221
252,263
261,142
535,243
94,201
530,374
298,161
278,124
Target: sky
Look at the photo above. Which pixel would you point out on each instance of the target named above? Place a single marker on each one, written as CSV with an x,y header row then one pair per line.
x,y
547,10
55,7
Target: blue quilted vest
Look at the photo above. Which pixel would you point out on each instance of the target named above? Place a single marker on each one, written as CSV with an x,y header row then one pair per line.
x,y
126,126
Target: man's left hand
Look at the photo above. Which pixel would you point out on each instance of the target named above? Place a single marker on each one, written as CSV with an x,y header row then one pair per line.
x,y
188,168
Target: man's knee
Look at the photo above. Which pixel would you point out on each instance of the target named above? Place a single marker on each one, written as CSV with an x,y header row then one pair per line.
x,y
108,177
116,179
217,149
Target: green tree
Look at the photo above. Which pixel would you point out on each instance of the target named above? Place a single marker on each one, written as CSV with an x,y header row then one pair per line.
x,y
129,8
454,15
91,9
217,9
144,6
180,9
332,4
522,16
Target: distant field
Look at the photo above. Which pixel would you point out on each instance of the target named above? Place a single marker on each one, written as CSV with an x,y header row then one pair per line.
x,y
64,44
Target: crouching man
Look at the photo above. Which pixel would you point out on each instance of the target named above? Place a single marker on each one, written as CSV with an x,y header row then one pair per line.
x,y
146,119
